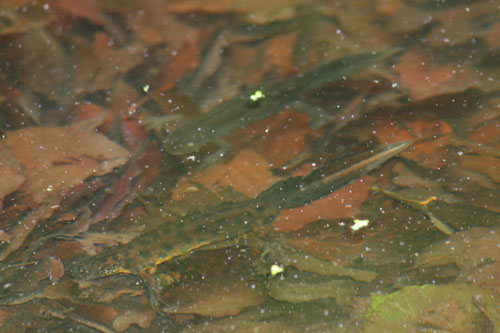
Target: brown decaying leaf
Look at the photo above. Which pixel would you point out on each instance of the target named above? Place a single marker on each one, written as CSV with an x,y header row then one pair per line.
x,y
445,316
57,158
451,26
305,262
229,296
431,153
65,251
279,56
493,36
225,289
141,316
120,317
404,176
88,9
109,239
152,21
279,138
489,132
331,247
425,81
92,112
247,173
5,314
96,313
41,63
486,276
475,252
389,7
459,25
55,269
446,307
4,237
344,203
488,165
122,99
113,62
46,267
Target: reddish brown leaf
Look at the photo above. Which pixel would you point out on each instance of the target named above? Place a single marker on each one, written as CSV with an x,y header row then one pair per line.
x,y
113,62
88,9
247,173
153,21
488,134
493,36
487,165
344,203
97,313
278,138
93,111
226,296
389,7
417,75
431,153
279,55
4,315
57,158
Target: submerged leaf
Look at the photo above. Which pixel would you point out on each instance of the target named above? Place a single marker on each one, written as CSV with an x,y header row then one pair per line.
x,y
411,308
56,159
248,173
344,203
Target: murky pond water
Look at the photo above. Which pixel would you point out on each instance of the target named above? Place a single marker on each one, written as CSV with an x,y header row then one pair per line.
x,y
263,166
